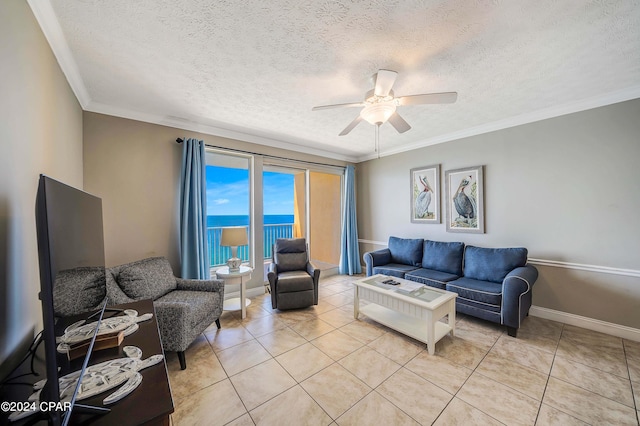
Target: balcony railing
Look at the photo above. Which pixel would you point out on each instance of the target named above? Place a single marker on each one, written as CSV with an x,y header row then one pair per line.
x,y
218,255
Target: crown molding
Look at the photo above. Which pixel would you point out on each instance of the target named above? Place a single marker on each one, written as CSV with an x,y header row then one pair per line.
x,y
543,114
52,31
194,126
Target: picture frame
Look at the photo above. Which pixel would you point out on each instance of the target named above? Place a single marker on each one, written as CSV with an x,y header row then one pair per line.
x,y
465,200
425,194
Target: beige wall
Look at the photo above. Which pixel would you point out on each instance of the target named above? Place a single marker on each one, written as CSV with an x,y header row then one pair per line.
x,y
324,216
41,132
135,168
566,188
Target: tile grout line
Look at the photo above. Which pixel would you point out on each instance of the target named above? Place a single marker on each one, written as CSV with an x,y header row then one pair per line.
x,y
465,381
546,385
633,392
628,378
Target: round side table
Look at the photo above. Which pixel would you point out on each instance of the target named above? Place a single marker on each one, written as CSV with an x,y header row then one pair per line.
x,y
237,277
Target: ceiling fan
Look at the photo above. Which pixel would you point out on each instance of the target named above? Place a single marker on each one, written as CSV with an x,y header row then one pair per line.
x,y
380,103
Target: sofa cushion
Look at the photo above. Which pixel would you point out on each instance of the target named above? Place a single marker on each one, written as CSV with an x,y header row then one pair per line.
x,y
430,277
78,290
492,264
486,293
443,256
405,250
393,269
290,254
147,279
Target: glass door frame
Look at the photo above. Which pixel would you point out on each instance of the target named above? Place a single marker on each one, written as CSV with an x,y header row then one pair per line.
x,y
251,188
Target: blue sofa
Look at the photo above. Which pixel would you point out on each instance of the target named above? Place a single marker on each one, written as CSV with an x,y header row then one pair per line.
x,y
494,284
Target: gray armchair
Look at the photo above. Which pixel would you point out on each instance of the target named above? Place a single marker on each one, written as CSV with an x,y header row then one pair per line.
x,y
292,277
184,308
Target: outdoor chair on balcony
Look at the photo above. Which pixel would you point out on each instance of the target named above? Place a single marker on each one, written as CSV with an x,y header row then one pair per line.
x,y
292,277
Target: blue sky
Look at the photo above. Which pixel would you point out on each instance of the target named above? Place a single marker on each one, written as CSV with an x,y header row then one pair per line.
x,y
228,192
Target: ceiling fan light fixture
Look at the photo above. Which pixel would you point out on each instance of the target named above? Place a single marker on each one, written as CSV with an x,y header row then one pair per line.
x,y
378,113
371,98
380,103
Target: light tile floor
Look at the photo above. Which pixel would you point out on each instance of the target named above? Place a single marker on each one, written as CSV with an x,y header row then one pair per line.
x,y
319,366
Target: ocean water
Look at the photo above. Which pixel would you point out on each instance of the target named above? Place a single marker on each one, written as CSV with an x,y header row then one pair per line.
x,y
243,220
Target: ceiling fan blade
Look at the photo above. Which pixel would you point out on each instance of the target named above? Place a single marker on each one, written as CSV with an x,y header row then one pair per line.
x,y
399,123
353,104
429,98
351,126
384,82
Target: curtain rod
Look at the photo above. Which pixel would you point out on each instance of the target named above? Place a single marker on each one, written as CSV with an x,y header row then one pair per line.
x,y
180,140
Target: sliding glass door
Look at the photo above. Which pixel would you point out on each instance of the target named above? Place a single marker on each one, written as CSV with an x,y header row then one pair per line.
x,y
284,205
228,202
272,198
313,200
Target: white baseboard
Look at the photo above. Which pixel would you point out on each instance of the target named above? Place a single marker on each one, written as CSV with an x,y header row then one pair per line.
x,y
329,272
588,323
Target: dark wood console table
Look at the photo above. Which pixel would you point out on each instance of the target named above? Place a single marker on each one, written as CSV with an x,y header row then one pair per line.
x,y
149,404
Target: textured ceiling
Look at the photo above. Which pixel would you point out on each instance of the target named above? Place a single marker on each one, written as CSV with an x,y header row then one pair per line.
x,y
253,70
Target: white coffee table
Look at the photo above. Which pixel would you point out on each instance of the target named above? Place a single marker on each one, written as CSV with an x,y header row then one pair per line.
x,y
236,277
411,308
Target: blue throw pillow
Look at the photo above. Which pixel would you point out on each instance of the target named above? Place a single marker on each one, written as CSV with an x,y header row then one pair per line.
x,y
443,257
406,251
492,264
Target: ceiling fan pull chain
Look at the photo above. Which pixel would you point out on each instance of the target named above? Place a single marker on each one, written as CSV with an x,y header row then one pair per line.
x,y
377,147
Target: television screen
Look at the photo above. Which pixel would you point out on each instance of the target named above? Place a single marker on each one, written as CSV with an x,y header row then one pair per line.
x,y
72,268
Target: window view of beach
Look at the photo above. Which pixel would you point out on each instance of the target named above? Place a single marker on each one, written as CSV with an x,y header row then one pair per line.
x,y
228,205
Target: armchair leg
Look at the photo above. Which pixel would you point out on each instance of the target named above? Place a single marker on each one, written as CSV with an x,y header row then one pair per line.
x,y
218,323
512,331
183,361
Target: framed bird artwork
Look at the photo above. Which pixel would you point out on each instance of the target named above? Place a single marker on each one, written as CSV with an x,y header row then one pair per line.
x,y
465,200
425,194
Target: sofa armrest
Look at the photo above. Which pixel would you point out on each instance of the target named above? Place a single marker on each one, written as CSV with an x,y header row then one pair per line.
x,y
173,324
272,276
313,271
315,274
376,258
200,285
517,294
272,273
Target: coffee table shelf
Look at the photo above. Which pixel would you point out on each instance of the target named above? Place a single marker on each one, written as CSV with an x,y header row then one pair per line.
x,y
404,323
410,308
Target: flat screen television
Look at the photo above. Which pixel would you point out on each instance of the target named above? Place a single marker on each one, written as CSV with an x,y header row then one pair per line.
x,y
70,239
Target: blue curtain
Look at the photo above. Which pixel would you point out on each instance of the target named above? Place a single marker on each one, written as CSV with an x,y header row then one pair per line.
x,y
193,212
349,253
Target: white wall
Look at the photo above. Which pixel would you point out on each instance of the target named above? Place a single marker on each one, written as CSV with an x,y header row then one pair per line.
x,y
41,132
566,188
